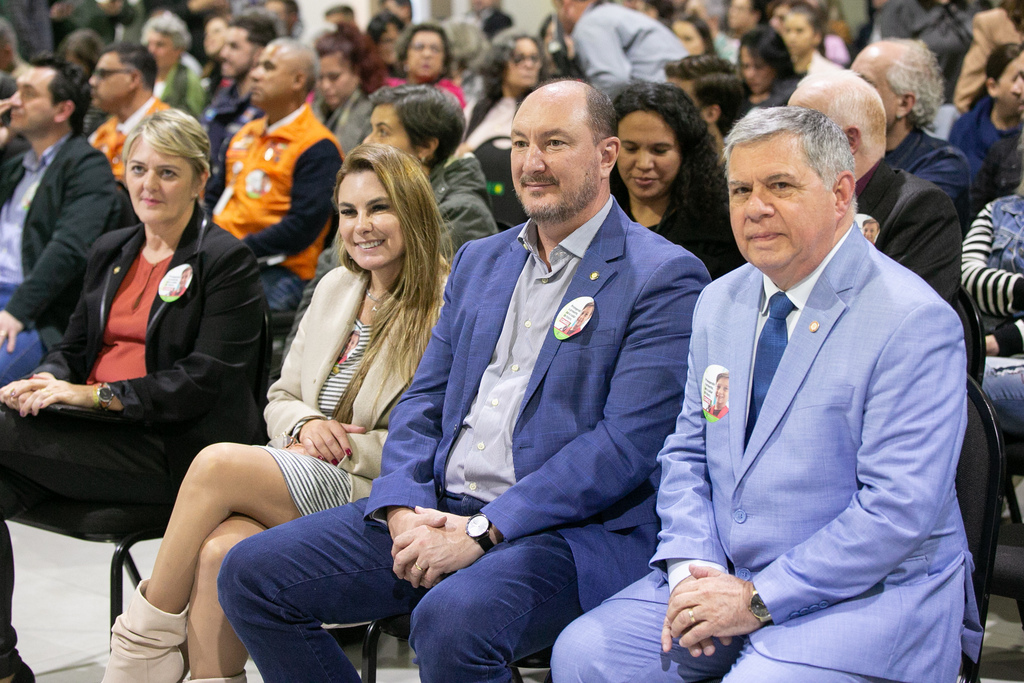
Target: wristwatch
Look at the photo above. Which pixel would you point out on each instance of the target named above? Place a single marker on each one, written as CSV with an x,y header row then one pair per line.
x,y
103,395
478,528
758,609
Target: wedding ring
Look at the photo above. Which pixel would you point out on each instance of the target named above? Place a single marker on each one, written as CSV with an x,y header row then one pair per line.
x,y
419,567
693,620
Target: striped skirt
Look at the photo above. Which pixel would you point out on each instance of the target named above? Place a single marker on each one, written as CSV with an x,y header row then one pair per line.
x,y
313,484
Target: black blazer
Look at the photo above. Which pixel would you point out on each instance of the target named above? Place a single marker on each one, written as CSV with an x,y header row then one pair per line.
x,y
76,201
917,226
202,351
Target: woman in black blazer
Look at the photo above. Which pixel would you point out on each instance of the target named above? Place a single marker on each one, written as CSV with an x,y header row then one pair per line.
x,y
166,335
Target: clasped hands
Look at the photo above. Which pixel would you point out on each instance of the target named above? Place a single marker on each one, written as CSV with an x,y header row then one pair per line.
x,y
707,604
427,545
43,389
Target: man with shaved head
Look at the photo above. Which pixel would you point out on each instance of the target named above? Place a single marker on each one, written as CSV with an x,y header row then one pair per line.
x,y
520,464
907,77
279,173
918,224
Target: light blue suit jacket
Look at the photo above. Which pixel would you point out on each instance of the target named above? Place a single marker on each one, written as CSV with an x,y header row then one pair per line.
x,y
842,507
597,408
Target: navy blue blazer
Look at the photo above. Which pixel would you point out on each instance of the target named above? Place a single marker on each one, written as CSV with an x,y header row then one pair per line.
x,y
597,408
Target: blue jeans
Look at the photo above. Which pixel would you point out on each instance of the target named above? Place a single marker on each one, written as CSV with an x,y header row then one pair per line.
x,y
282,287
1004,384
28,348
279,586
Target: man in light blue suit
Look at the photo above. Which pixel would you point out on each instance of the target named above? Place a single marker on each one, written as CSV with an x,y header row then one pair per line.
x,y
520,465
812,532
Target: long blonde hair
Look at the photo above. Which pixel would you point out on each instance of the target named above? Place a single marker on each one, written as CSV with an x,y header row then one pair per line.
x,y
406,315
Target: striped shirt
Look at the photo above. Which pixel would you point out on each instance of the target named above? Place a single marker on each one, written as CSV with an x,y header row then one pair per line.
x,y
991,288
344,369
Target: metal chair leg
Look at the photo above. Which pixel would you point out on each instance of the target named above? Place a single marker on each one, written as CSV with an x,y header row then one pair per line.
x,y
370,652
121,562
516,677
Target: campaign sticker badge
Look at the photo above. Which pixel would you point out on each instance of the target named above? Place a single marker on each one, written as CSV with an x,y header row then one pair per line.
x,y
573,317
175,282
257,184
714,393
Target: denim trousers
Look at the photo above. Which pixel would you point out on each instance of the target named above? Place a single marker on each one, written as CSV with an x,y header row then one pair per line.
x,y
28,349
282,287
279,586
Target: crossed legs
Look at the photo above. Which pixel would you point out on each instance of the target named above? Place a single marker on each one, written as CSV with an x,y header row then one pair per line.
x,y
231,492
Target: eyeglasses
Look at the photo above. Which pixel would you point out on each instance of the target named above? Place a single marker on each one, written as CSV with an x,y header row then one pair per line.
x,y
102,74
427,47
519,59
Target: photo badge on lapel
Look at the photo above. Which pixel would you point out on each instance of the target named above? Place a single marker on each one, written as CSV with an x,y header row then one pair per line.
x,y
573,317
714,393
175,282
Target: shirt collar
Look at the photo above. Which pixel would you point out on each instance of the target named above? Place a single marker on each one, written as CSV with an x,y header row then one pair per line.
x,y
799,293
863,181
578,240
33,164
281,123
133,120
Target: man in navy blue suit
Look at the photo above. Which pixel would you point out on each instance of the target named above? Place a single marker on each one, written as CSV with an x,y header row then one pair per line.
x,y
520,464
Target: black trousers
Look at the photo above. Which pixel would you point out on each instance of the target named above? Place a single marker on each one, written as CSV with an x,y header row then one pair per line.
x,y
57,456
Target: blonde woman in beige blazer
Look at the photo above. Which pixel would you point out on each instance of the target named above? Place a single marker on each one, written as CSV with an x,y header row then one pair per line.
x,y
354,354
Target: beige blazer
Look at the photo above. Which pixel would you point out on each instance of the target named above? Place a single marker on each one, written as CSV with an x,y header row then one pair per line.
x,y
991,28
323,330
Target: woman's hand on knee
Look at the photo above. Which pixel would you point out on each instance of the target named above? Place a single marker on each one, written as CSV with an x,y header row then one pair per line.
x,y
328,439
50,391
14,394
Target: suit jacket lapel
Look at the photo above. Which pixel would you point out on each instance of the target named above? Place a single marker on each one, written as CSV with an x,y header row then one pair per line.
x,y
824,306
334,332
607,246
741,323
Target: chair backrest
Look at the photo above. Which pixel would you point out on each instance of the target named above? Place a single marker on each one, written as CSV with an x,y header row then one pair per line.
x,y
496,161
262,380
979,476
974,334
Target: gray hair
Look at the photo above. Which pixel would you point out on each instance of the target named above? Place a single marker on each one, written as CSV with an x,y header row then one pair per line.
x,y
849,100
169,25
826,149
917,72
174,133
309,62
8,36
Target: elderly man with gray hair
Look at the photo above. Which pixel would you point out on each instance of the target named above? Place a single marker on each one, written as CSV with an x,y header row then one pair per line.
x,y
812,533
906,75
280,173
918,225
167,38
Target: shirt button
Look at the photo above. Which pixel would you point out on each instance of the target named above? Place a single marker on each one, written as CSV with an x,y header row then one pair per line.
x,y
527,324
544,280
740,516
472,486
494,401
480,446
743,574
515,368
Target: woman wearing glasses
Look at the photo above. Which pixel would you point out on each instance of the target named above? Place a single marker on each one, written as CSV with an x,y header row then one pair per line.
x,y
426,58
513,69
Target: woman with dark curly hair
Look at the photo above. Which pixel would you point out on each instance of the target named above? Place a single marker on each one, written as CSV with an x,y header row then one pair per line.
x,y
350,70
766,69
668,177
425,55
514,67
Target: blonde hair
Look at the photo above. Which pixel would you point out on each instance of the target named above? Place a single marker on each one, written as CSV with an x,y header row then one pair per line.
x,y
406,315
173,133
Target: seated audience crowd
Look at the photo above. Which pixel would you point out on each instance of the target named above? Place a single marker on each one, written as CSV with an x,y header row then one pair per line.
x,y
521,435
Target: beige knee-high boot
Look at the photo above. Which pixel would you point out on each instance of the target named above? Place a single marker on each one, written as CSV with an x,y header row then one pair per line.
x,y
144,644
240,678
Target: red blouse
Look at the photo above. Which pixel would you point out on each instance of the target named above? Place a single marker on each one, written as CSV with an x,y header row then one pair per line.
x,y
123,355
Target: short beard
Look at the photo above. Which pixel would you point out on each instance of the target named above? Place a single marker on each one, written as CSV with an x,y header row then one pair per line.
x,y
572,203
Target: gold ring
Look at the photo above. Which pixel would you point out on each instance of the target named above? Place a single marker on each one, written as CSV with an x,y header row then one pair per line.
x,y
693,620
419,567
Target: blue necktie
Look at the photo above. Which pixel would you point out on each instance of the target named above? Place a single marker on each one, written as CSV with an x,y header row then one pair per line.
x,y
770,347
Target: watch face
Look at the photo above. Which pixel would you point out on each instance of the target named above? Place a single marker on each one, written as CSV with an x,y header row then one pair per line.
x,y
106,394
477,526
